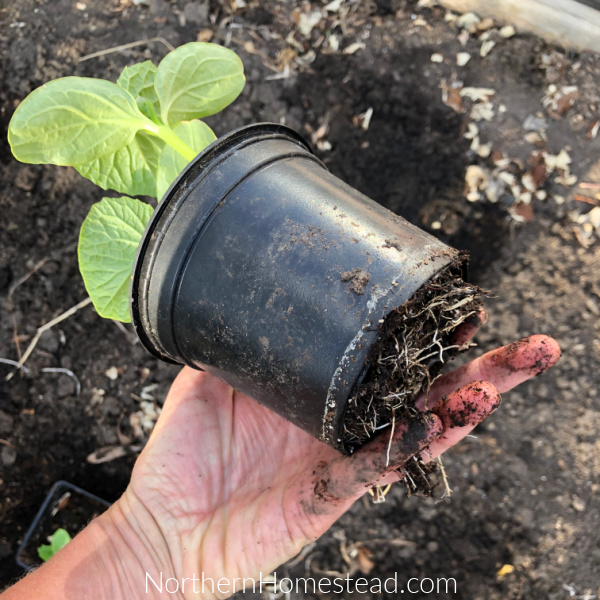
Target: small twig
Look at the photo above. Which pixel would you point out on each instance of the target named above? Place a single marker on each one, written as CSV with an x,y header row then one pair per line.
x,y
7,443
447,491
11,306
14,363
280,75
391,542
586,199
253,50
66,372
126,47
15,337
22,280
387,460
46,327
344,553
573,593
589,186
130,337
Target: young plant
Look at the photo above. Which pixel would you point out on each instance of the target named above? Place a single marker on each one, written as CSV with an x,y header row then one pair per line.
x,y
133,137
59,539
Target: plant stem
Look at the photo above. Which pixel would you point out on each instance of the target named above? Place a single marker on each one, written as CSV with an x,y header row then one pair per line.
x,y
168,135
150,109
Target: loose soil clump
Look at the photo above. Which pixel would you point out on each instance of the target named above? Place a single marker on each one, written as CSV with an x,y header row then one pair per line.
x,y
415,341
358,278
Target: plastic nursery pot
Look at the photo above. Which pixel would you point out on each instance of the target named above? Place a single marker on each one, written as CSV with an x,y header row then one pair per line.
x,y
66,506
264,269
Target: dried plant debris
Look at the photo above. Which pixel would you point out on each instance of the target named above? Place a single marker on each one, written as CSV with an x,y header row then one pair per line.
x,y
486,48
451,95
553,64
301,34
586,227
468,21
494,176
509,181
558,100
484,30
482,108
472,133
477,182
319,136
462,58
507,31
363,120
415,341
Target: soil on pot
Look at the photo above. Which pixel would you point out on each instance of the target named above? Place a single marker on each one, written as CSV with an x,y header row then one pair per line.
x,y
414,343
358,279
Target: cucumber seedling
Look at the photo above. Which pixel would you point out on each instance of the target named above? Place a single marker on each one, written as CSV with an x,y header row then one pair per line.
x,y
133,136
59,539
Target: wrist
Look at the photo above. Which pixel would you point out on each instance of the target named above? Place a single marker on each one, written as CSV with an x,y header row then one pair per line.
x,y
137,552
110,559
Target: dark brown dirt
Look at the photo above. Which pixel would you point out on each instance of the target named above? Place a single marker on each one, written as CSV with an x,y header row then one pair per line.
x,y
540,357
470,412
526,487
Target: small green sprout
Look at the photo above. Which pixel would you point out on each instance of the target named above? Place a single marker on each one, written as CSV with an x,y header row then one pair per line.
x,y
59,539
134,136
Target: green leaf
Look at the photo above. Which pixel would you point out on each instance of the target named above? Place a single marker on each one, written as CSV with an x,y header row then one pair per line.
x,y
60,538
197,80
108,242
196,134
74,120
45,552
138,80
130,170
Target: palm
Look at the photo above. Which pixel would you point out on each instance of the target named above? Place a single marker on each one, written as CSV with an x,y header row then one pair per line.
x,y
230,463
233,486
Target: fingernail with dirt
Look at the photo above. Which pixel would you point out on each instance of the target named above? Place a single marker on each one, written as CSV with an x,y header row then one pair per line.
x,y
468,406
534,354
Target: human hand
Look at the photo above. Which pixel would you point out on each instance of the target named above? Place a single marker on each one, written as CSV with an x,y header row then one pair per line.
x,y
227,488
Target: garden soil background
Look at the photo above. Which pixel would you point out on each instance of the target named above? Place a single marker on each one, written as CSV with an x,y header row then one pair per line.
x,y
526,488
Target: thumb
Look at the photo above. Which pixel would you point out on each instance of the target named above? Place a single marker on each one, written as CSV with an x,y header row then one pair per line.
x,y
337,484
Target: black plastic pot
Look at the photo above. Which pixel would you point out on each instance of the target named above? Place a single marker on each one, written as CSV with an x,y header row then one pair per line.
x,y
66,506
254,268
